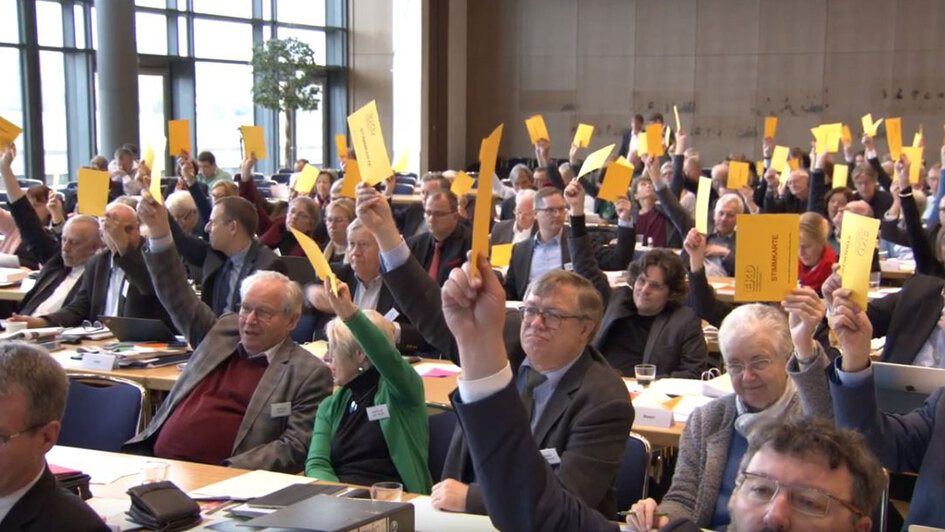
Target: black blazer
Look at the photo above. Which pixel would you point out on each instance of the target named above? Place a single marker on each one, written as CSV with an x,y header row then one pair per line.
x,y
907,317
610,258
198,253
453,253
49,506
410,219
140,300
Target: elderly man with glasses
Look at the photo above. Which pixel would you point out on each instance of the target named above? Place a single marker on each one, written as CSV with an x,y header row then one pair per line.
x,y
249,393
33,389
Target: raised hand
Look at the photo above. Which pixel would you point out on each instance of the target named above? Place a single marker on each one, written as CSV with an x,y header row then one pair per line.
x,y
681,138
342,305
695,246
374,212
55,208
767,147
805,312
153,215
113,234
542,149
853,329
624,209
574,194
902,171
246,168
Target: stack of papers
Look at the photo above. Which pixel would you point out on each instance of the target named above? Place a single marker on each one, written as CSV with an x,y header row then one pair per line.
x,y
433,369
12,275
33,334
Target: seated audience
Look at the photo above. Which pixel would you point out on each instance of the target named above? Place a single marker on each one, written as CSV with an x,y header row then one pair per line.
x,y
208,171
645,321
522,224
349,444
412,220
338,215
650,222
231,254
444,247
816,259
905,443
868,191
248,395
182,208
548,249
580,408
521,178
800,458
835,201
114,283
923,245
770,385
33,391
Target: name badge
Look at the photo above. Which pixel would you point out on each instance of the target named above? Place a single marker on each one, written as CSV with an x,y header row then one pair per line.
x,y
568,267
392,314
377,412
280,409
551,456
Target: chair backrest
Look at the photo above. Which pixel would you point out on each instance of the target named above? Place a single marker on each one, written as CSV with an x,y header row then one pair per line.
x,y
281,178
634,473
101,412
401,188
441,432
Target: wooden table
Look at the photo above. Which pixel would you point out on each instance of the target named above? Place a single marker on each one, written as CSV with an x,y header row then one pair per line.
x,y
897,270
158,379
16,292
725,289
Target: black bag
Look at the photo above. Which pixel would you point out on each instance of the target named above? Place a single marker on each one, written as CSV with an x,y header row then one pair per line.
x,y
163,506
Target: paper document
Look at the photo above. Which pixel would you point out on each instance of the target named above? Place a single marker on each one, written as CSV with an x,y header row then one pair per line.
x,y
429,519
250,485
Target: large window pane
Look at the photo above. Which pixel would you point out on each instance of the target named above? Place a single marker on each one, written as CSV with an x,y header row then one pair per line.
x,y
224,103
315,39
232,8
150,108
9,28
54,112
160,4
151,32
11,105
311,12
183,46
223,40
49,23
309,135
78,13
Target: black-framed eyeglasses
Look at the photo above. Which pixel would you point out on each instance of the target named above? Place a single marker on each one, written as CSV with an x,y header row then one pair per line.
x,y
552,319
4,440
809,501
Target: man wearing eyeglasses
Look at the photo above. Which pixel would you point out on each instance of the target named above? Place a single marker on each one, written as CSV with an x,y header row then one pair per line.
x,y
33,390
444,247
248,395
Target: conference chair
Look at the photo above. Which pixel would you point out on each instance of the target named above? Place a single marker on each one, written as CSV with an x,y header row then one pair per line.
x,y
102,412
441,432
402,188
281,178
633,476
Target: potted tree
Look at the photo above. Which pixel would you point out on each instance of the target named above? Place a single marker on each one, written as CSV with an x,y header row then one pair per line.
x,y
285,78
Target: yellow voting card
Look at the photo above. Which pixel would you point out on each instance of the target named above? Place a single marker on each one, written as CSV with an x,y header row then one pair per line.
x,y
616,180
832,134
779,157
766,252
306,180
702,204
737,174
317,258
914,153
368,140
582,137
595,160
149,156
501,255
400,165
846,135
488,151
8,132
794,164
771,126
254,141
857,245
462,183
178,137
536,128
642,144
918,137
157,168
676,114
341,144
894,137
352,178
841,173
654,140
93,191
820,135
870,127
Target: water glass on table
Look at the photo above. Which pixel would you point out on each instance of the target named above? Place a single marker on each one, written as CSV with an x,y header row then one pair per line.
x,y
387,491
154,471
875,278
645,374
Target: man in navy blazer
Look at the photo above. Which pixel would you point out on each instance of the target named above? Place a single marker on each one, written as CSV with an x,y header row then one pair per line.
x,y
908,443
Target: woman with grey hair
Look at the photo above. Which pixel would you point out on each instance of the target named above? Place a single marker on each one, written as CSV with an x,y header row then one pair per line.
x,y
777,371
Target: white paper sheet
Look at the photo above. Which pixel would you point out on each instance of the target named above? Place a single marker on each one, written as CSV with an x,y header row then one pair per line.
x,y
250,485
428,519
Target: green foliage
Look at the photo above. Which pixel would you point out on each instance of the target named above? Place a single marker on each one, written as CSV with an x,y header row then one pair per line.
x,y
285,76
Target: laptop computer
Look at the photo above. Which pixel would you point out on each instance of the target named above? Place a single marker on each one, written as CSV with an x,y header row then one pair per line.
x,y
901,388
299,269
137,329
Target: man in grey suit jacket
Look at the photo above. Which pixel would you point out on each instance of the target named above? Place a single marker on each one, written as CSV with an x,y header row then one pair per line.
x,y
249,393
521,226
581,410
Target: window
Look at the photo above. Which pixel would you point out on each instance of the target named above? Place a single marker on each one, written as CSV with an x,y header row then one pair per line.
x,y
49,23
9,28
10,102
315,39
309,12
232,8
79,18
151,33
309,134
222,40
224,103
54,112
150,108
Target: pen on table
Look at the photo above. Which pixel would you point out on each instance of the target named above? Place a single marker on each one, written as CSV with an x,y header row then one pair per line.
x,y
622,515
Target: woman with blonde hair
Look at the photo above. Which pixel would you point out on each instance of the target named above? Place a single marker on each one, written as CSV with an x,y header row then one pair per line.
x,y
816,257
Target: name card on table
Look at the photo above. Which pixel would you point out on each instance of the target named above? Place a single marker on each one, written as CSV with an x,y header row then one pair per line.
x,y
99,361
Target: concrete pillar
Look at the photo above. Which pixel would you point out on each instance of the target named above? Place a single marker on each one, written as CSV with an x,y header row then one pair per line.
x,y
116,56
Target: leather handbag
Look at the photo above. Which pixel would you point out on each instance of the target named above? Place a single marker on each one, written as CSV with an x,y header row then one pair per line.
x,y
163,506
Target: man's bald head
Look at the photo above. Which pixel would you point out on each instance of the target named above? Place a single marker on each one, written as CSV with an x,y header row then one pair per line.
x,y
80,240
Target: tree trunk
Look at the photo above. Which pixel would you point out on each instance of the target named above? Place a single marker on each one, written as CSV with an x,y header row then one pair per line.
x,y
289,139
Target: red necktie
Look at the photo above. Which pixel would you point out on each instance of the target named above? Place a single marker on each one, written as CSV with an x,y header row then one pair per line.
x,y
435,263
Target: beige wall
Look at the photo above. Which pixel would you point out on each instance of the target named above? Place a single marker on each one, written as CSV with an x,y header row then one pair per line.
x,y
370,59
726,63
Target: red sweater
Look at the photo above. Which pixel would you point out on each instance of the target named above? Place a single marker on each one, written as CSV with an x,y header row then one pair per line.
x,y
202,428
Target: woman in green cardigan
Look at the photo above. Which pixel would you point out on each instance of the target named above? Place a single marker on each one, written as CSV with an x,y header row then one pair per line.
x,y
374,427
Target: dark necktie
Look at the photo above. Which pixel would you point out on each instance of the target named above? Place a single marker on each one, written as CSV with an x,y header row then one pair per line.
x,y
532,380
222,288
435,263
